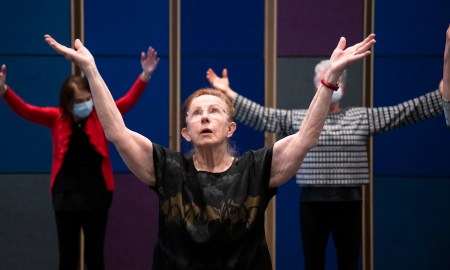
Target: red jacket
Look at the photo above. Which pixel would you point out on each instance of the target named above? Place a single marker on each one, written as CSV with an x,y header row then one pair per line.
x,y
61,127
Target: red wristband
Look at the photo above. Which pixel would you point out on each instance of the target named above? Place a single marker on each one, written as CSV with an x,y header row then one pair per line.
x,y
330,85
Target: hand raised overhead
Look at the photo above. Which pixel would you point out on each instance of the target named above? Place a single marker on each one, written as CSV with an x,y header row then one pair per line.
x,y
3,80
342,56
149,62
79,55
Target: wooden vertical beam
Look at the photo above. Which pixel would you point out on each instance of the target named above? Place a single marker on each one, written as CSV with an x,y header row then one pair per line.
x,y
367,209
76,27
77,31
270,81
174,71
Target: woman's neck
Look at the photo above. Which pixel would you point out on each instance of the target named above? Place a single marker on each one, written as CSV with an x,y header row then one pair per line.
x,y
212,160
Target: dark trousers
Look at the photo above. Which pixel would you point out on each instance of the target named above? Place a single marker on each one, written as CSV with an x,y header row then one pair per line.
x,y
343,221
68,225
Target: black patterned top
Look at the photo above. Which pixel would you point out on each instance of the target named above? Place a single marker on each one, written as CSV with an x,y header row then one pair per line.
x,y
212,220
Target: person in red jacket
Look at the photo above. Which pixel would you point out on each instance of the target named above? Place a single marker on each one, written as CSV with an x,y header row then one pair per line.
x,y
81,181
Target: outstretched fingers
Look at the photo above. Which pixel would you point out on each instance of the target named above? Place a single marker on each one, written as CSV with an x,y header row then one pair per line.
x,y
366,44
61,49
225,73
211,76
341,44
80,55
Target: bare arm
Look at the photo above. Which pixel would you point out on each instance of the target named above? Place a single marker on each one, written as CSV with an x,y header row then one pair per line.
x,y
135,149
289,152
444,86
3,87
446,75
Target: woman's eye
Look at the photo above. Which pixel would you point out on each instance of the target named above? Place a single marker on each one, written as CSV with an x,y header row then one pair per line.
x,y
197,112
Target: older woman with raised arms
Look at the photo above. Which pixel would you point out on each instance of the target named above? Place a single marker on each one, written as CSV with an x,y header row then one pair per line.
x,y
212,203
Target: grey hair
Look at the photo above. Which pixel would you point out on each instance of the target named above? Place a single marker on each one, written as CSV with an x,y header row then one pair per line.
x,y
325,65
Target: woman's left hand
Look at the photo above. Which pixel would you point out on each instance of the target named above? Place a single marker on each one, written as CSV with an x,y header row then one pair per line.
x,y
342,56
149,62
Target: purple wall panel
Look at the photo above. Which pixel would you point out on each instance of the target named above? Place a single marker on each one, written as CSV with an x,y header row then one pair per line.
x,y
313,27
132,225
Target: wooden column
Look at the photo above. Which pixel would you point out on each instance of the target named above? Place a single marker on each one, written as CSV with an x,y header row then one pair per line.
x,y
174,79
76,27
77,31
367,209
270,81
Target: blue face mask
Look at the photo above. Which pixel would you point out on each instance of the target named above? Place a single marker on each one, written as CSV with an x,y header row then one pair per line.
x,y
82,110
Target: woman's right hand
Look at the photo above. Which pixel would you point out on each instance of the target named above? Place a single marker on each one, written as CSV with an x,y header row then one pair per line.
x,y
3,87
222,84
80,55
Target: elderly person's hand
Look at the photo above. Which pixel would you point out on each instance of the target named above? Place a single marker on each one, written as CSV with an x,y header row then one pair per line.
x,y
149,62
222,84
3,87
342,56
80,55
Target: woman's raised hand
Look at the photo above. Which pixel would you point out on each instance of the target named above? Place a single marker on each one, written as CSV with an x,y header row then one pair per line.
x,y
79,55
3,80
342,56
149,62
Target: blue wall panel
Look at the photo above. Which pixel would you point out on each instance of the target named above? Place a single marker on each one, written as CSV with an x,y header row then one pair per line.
x,y
124,28
116,32
225,37
416,150
408,63
411,229
411,172
25,22
116,38
229,28
35,73
26,147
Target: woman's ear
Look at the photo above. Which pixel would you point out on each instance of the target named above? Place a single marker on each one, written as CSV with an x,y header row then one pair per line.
x,y
231,129
186,135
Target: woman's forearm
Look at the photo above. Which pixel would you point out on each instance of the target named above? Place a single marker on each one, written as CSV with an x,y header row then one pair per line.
x,y
446,75
107,111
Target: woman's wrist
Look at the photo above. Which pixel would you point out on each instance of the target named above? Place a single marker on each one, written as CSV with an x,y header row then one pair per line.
x,y
332,77
3,89
145,76
231,94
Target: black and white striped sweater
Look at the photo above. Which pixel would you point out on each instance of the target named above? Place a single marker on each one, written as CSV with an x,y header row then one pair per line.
x,y
340,158
446,105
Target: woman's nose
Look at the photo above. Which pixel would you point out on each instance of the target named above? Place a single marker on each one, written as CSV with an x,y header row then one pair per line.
x,y
205,117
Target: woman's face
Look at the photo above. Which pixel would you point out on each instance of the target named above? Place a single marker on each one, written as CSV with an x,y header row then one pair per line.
x,y
79,96
207,122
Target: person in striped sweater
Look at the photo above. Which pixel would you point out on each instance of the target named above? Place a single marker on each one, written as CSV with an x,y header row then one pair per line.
x,y
333,173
